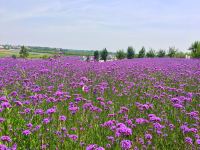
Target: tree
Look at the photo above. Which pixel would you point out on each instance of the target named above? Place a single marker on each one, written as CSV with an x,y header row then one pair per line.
x,y
96,55
151,53
142,53
104,54
130,52
161,53
120,54
172,51
195,48
23,52
180,55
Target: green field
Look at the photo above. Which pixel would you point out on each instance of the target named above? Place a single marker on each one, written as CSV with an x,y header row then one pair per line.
x,y
9,53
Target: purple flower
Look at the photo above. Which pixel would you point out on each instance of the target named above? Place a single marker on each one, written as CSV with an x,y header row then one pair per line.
x,y
46,120
188,140
91,147
141,121
73,137
62,118
178,106
99,148
198,141
3,147
6,138
51,111
2,120
39,111
126,144
18,103
148,136
29,125
26,132
6,105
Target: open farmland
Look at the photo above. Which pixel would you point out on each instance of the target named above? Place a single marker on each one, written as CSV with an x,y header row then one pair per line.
x,y
68,104
10,52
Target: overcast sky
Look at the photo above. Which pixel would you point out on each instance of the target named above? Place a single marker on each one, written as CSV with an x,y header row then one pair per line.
x,y
96,24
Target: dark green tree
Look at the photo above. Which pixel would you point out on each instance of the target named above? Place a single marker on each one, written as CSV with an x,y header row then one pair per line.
x,y
142,53
130,52
172,52
120,54
195,49
24,52
104,54
151,53
96,55
161,53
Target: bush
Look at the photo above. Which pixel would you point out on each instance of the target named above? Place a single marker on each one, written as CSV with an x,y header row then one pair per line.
x,y
45,57
161,53
142,53
104,54
172,52
195,48
96,55
120,54
130,52
14,56
151,53
23,52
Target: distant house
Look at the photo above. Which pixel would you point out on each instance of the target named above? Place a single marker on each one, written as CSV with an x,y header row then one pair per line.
x,y
1,47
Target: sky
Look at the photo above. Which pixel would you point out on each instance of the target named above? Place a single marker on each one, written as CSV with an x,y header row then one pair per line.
x,y
98,24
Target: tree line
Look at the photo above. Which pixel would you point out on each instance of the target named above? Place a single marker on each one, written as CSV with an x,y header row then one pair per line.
x,y
130,53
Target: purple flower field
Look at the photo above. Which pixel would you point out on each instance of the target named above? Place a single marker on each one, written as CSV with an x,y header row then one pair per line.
x,y
68,104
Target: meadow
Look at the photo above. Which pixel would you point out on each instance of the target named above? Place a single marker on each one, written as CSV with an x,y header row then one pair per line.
x,y
65,103
10,52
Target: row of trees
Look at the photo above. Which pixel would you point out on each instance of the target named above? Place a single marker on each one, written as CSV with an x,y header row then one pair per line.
x,y
171,52
142,53
101,55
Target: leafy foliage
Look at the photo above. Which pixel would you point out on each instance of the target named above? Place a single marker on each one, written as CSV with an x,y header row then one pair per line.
x,y
195,48
24,52
130,52
104,54
172,51
142,53
161,53
151,53
120,54
96,55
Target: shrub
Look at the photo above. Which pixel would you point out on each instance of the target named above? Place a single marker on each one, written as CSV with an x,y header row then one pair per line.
x,y
130,52
120,54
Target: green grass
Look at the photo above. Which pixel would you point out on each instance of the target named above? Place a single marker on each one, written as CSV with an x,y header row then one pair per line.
x,y
9,53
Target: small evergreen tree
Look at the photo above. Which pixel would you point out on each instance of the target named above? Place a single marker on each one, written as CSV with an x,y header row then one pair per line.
x,y
96,55
104,54
120,54
142,53
130,52
23,52
161,53
172,51
151,53
195,48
